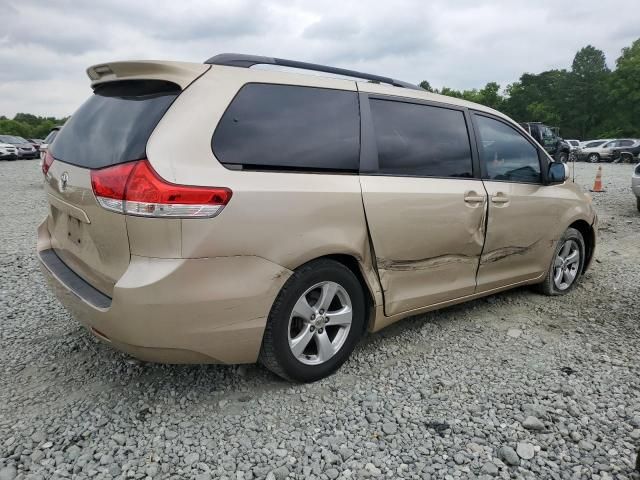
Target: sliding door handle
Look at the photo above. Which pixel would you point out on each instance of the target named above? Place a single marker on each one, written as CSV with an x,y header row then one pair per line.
x,y
499,198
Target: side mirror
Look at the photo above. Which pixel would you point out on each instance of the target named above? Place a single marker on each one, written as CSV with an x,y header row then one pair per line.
x,y
558,172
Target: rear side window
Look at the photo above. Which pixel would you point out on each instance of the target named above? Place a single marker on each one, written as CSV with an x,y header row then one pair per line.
x,y
114,124
506,154
284,127
421,140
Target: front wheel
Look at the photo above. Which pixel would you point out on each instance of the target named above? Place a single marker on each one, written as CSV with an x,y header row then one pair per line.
x,y
562,157
593,158
638,203
315,322
567,264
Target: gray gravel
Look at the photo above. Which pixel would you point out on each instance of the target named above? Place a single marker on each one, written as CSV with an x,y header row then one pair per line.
x,y
443,395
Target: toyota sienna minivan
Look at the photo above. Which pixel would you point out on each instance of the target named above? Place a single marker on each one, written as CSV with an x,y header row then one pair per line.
x,y
229,212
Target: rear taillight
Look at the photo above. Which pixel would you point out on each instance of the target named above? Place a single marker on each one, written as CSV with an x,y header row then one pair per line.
x,y
46,163
134,188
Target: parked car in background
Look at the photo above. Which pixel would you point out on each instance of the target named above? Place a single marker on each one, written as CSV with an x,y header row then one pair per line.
x,y
550,140
8,151
594,142
635,185
48,140
36,142
596,151
249,235
573,144
25,149
626,154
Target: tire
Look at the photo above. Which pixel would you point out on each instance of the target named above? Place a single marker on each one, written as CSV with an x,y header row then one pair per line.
x,y
551,285
562,157
626,158
302,294
593,158
638,203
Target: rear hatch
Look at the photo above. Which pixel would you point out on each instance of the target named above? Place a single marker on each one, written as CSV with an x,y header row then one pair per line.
x,y
112,127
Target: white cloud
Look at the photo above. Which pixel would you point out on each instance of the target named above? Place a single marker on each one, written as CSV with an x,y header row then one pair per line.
x,y
46,46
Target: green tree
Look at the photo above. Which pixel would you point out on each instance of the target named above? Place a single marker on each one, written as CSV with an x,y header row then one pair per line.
x,y
28,126
588,96
624,85
425,85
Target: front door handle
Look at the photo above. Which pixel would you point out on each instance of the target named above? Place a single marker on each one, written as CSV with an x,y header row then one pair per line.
x,y
499,198
473,197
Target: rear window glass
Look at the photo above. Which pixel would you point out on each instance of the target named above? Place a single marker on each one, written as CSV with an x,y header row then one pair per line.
x,y
285,127
114,124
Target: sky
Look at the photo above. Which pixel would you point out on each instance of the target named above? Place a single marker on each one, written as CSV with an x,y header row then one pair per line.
x,y
46,45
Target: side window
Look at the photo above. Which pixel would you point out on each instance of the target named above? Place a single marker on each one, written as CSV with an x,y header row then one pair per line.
x,y
506,154
421,140
285,127
625,143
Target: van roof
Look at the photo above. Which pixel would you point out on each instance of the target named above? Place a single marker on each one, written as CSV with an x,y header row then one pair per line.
x,y
183,73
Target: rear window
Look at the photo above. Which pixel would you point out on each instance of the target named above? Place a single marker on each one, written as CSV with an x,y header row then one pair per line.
x,y
285,127
114,124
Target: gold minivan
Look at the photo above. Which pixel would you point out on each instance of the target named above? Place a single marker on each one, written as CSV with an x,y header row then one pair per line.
x,y
248,209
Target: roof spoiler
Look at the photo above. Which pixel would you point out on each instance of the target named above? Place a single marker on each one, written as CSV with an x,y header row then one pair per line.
x,y
180,73
246,61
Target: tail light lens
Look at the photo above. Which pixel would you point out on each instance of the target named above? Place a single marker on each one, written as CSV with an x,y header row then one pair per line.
x,y
134,188
46,163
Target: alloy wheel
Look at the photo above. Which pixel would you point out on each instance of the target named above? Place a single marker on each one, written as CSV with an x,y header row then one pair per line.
x,y
566,265
319,323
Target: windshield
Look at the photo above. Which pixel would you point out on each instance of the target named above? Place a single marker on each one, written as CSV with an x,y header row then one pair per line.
x,y
12,139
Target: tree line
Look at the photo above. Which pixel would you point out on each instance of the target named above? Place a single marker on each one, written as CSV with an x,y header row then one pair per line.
x,y
587,101
29,126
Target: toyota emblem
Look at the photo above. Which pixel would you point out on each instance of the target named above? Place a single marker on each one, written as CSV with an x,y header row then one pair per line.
x,y
64,178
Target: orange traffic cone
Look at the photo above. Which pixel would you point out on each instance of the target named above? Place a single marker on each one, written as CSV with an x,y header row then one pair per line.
x,y
597,185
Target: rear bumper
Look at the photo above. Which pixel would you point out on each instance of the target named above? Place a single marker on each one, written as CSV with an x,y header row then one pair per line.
x,y
207,310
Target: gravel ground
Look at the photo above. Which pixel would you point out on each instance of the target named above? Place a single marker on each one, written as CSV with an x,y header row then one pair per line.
x,y
517,385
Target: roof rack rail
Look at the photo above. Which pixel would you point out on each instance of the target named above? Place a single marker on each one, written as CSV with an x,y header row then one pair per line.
x,y
246,61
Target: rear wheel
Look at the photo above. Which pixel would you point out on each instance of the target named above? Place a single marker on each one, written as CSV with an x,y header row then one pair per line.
x,y
315,322
562,157
593,158
567,264
638,203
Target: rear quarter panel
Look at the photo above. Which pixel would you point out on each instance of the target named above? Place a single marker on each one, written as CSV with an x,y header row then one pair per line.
x,y
286,218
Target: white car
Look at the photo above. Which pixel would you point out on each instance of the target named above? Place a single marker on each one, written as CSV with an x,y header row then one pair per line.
x,y
8,151
573,144
635,184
